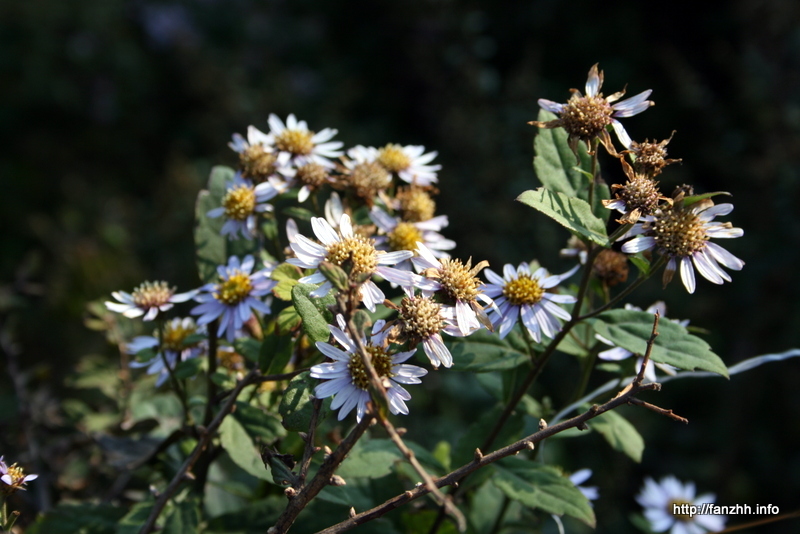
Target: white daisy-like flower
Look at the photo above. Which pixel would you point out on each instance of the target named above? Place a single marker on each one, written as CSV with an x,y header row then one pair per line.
x,y
14,477
458,283
585,117
298,145
364,174
257,155
618,353
520,293
148,299
666,507
683,235
410,163
343,245
421,320
403,235
177,346
347,379
235,296
241,204
581,476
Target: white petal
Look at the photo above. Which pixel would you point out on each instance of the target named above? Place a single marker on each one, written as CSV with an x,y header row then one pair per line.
x,y
639,244
324,231
549,105
687,273
622,135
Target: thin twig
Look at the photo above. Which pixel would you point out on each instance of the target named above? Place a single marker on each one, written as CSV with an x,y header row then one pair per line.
x,y
205,439
310,449
480,461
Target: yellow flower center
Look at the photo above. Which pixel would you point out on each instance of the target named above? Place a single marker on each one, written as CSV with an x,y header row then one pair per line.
x,y
174,336
416,204
152,294
381,361
359,250
671,510
523,290
256,162
420,318
585,117
679,232
393,158
458,280
404,237
298,142
235,289
239,202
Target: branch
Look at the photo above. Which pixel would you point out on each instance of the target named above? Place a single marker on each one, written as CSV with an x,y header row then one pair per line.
x,y
205,439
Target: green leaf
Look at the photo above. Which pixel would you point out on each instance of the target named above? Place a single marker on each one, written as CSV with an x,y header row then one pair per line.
x,y
555,166
275,353
641,263
189,368
241,449
256,517
674,345
487,504
370,458
288,320
572,213
259,423
483,352
542,486
314,311
620,434
135,518
185,517
296,407
287,276
298,213
694,199
248,347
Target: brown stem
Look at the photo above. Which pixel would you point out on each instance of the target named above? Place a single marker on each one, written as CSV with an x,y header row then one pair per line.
x,y
205,439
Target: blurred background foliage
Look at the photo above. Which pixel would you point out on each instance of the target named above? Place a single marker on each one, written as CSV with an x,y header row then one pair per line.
x,y
112,113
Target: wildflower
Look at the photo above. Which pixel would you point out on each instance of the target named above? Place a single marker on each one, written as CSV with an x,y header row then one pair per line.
x,y
235,296
415,203
683,233
347,379
650,158
458,283
421,320
639,196
402,235
618,353
666,507
520,293
345,245
148,299
181,341
581,476
256,156
241,203
363,174
14,477
294,142
585,117
575,249
410,163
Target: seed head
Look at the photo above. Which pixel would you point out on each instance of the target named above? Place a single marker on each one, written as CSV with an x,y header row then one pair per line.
x,y
650,158
257,164
611,267
419,318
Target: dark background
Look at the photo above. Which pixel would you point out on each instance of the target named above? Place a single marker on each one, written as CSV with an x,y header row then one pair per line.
x,y
113,112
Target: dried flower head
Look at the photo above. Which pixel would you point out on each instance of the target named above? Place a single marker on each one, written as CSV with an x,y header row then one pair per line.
x,y
585,118
649,158
610,267
638,197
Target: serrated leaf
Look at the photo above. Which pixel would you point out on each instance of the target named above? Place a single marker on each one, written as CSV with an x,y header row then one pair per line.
x,y
370,458
296,407
572,213
283,290
314,311
543,487
483,352
674,345
241,449
620,434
